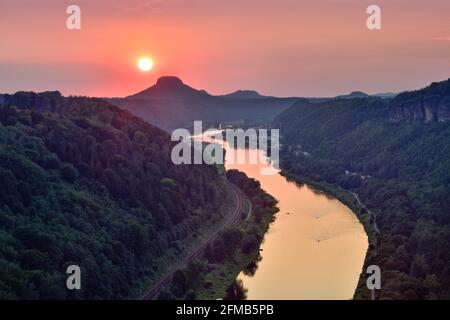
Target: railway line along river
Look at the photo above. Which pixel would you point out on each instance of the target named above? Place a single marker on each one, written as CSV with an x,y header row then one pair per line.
x,y
314,249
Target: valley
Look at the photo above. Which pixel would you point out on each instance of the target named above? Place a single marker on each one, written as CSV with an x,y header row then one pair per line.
x,y
386,159
407,161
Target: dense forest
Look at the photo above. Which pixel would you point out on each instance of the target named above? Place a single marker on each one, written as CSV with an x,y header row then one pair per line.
x,y
400,169
235,248
85,183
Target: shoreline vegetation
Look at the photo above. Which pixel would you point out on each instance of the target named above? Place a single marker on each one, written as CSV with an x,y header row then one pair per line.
x,y
349,200
393,155
220,280
335,191
213,274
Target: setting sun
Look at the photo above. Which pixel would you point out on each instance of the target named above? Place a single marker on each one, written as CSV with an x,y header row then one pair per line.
x,y
145,64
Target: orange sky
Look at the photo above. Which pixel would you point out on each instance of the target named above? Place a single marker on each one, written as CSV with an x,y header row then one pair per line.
x,y
278,47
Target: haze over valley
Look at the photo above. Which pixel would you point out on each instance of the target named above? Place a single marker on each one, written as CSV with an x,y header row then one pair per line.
x,y
224,150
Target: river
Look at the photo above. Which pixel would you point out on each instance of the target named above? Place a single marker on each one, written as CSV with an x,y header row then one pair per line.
x,y
314,249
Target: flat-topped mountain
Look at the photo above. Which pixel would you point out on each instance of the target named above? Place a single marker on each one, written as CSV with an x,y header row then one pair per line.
x,y
170,87
171,104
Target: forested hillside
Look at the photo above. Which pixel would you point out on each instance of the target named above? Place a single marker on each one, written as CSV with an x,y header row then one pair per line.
x,y
213,274
85,183
400,170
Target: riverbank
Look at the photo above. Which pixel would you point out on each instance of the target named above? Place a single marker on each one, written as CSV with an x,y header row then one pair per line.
x,y
313,229
223,276
215,268
253,226
351,201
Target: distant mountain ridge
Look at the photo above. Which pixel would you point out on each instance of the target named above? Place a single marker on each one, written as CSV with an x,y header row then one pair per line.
x,y
354,94
428,104
171,104
400,149
244,94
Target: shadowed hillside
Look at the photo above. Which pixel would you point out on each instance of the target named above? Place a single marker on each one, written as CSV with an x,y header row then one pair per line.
x,y
86,183
171,104
394,154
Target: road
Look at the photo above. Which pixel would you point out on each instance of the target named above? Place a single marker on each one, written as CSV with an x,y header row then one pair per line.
x,y
239,204
375,227
374,221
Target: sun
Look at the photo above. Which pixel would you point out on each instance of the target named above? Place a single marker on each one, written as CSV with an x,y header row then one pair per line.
x,y
145,64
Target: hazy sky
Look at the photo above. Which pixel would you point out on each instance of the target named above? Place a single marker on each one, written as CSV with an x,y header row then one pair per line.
x,y
278,47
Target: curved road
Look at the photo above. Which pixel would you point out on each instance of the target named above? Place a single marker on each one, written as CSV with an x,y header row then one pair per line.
x,y
239,203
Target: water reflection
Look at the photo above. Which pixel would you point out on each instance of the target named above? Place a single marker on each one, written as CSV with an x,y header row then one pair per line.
x,y
315,248
315,252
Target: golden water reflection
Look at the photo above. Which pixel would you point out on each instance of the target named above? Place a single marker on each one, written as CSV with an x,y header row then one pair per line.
x,y
315,248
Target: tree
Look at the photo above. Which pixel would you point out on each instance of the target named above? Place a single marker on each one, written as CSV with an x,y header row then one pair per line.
x,y
69,173
179,283
195,274
249,244
232,236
